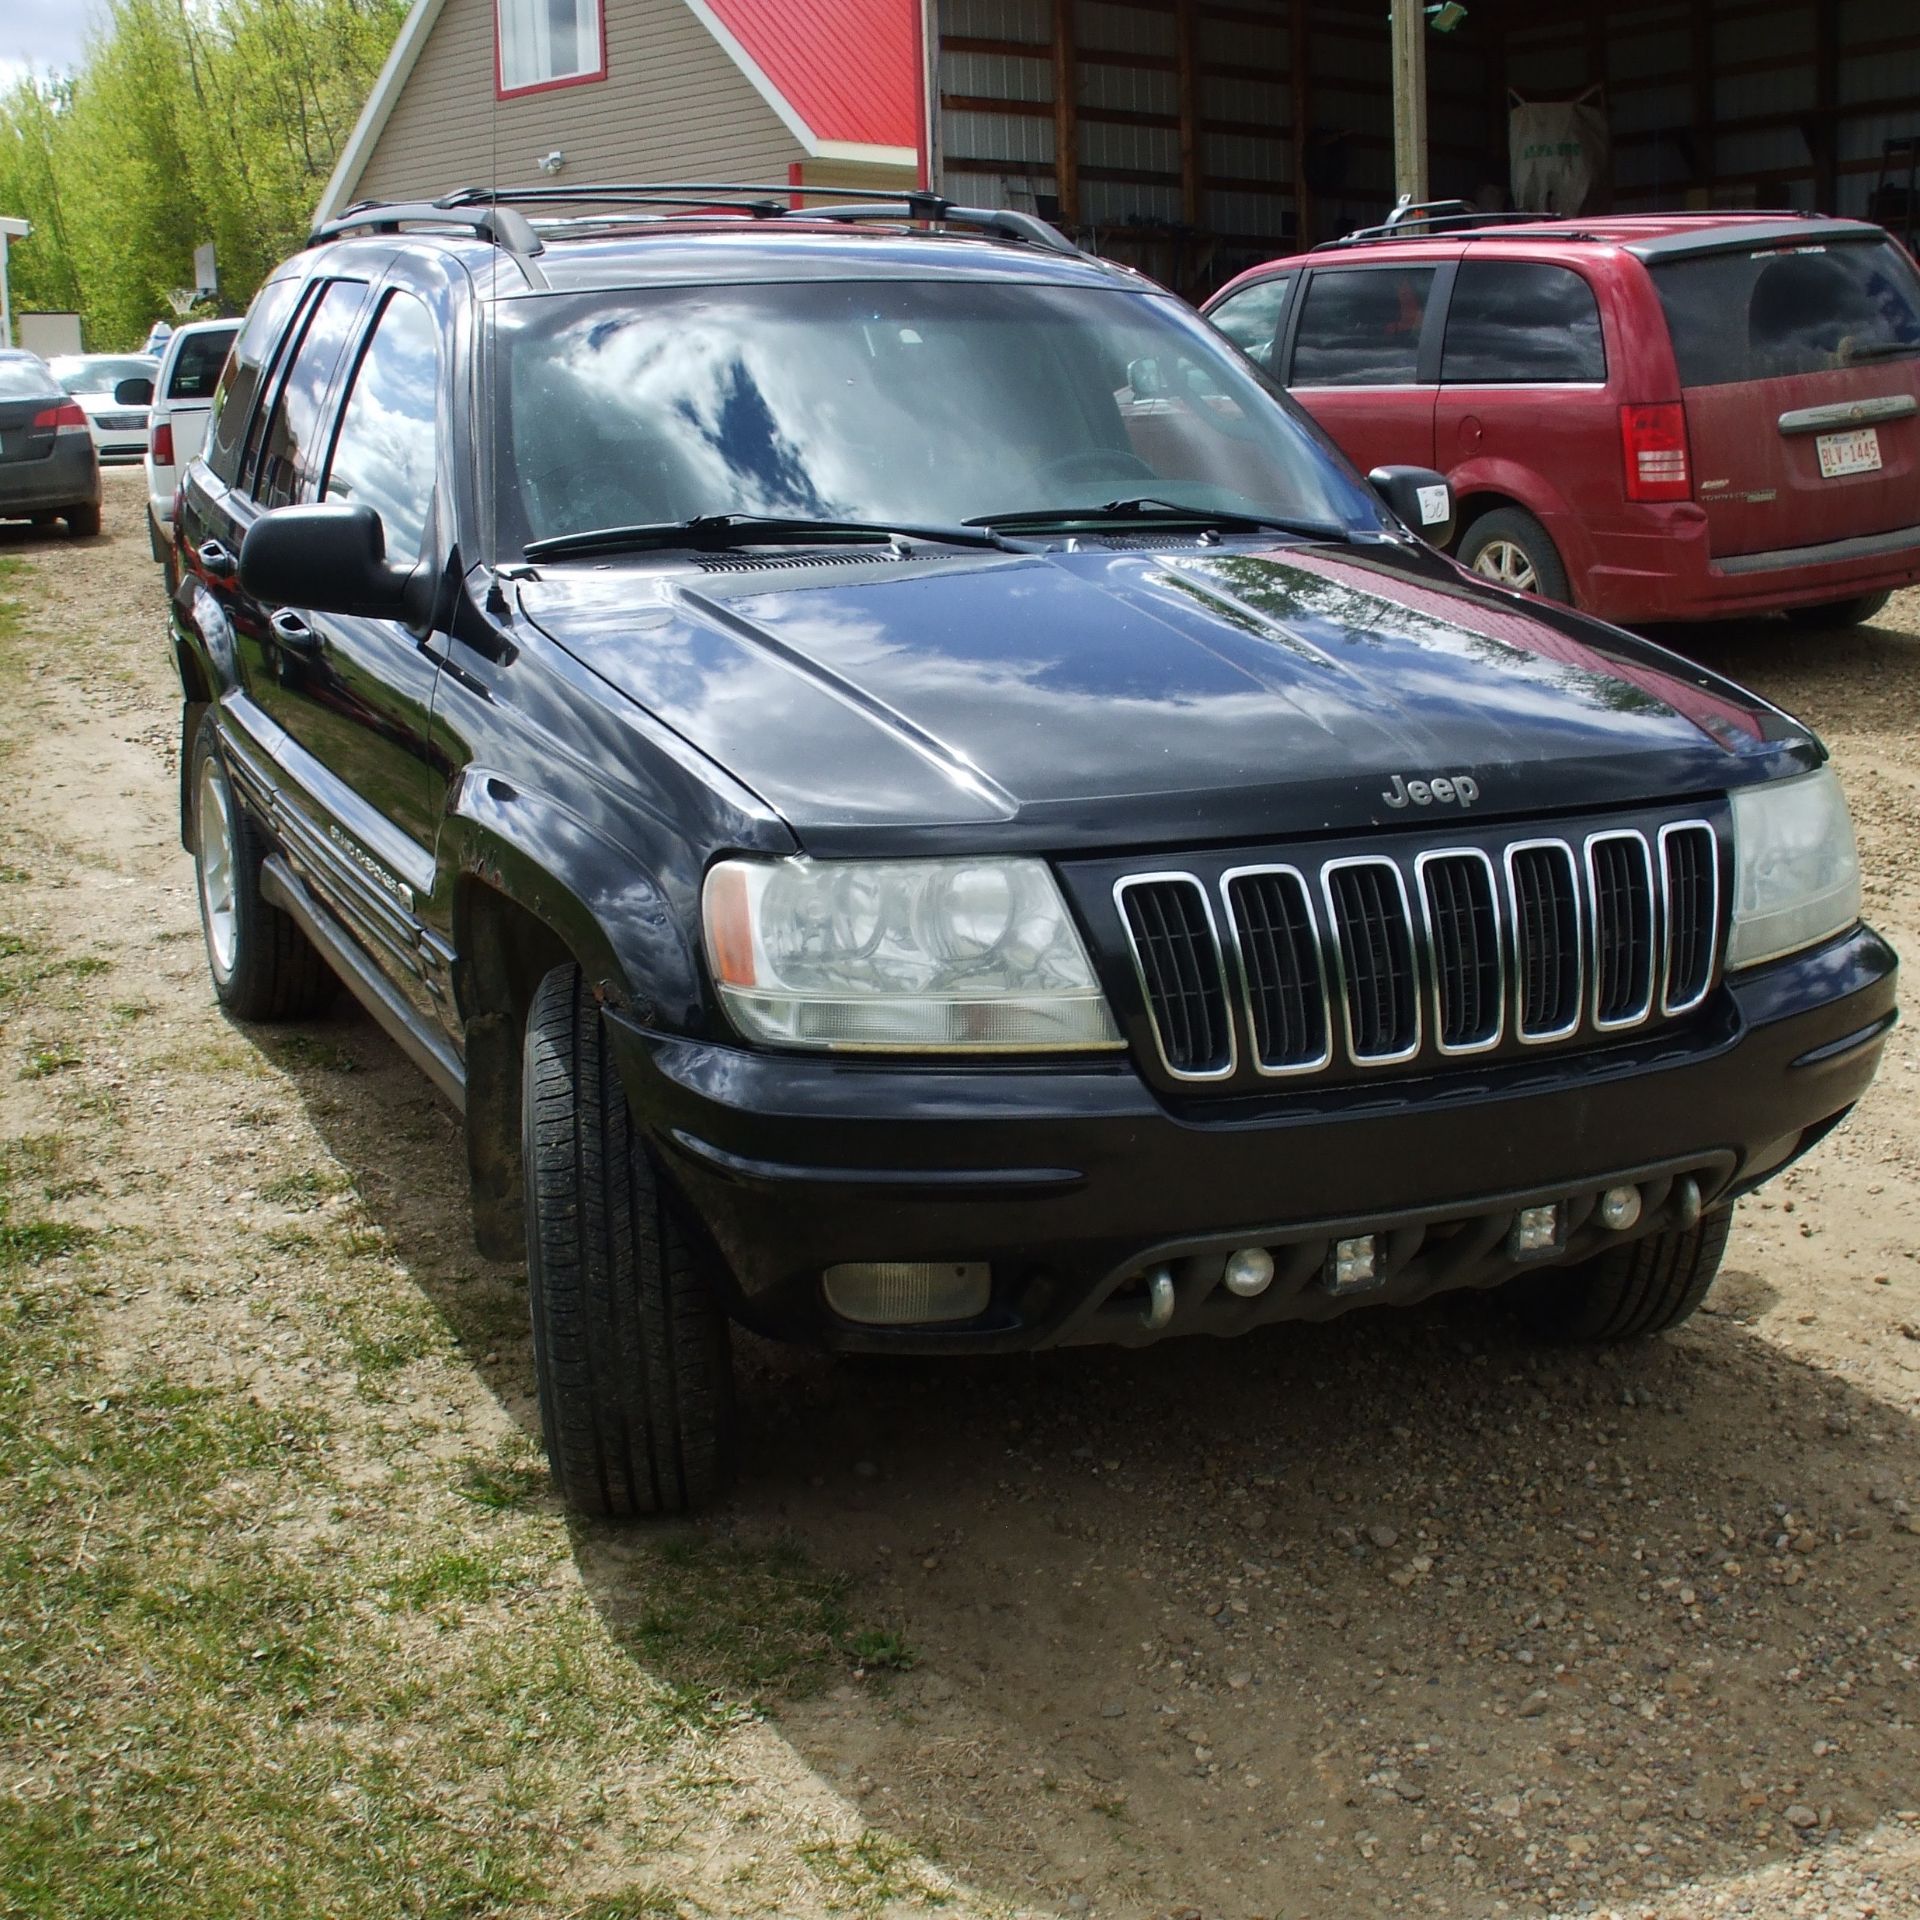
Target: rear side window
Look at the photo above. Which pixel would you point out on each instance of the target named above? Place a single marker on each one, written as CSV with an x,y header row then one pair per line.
x,y
1252,320
383,456
1514,321
1360,327
196,369
233,398
1771,314
290,447
26,380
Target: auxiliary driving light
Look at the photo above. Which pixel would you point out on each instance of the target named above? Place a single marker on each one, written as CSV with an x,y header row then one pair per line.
x,y
1352,1263
908,1293
1535,1230
1249,1272
1620,1208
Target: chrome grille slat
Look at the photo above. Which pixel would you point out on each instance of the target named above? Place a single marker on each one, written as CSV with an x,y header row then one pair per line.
x,y
1177,954
1283,982
1458,901
1620,903
1690,899
1375,960
1373,955
1544,899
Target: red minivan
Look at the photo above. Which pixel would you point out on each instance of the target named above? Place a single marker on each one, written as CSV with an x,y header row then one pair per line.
x,y
1656,417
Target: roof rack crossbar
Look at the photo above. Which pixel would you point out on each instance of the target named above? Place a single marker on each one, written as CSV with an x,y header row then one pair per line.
x,y
775,202
500,225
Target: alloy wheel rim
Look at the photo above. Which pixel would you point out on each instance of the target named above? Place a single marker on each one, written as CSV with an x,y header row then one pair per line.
x,y
218,910
1504,561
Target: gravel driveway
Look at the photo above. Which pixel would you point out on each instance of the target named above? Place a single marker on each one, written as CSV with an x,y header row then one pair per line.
x,y
1394,1615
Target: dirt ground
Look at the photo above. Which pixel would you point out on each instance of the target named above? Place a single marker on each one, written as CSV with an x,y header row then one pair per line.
x,y
1392,1616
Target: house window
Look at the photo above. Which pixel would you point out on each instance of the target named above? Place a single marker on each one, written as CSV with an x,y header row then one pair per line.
x,y
547,43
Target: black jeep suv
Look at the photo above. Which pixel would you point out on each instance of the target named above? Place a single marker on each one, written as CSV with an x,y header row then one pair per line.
x,y
915,802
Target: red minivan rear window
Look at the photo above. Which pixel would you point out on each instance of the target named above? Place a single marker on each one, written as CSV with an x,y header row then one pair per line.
x,y
1779,311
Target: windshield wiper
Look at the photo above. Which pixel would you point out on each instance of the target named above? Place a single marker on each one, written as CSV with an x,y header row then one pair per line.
x,y
719,531
1882,349
1163,513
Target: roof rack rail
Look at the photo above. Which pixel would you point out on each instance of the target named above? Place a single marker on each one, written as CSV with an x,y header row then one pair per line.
x,y
500,225
765,202
1423,219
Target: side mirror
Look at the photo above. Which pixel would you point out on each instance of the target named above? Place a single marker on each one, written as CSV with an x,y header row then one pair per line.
x,y
1420,497
327,559
136,392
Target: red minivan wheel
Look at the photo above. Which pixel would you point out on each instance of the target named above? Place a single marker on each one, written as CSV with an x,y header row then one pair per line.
x,y
1510,547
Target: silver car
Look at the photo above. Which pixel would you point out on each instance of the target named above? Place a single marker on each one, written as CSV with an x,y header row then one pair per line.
x,y
49,469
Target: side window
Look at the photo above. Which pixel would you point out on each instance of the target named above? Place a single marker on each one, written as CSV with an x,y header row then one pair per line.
x,y
1518,320
196,367
383,456
1252,320
1360,327
234,397
288,449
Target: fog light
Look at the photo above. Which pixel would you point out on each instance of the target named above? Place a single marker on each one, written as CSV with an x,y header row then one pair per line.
x,y
1352,1263
1620,1208
1250,1271
907,1293
1535,1230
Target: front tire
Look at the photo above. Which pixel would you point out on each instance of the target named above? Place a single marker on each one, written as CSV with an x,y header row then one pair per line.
x,y
1512,549
1632,1292
1840,613
263,966
630,1343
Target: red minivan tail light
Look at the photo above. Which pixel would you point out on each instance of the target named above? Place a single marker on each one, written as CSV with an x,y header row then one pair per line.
x,y
1654,442
162,448
67,414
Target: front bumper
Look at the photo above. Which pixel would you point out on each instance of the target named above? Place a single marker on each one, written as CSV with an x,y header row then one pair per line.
x,y
1662,569
1073,1180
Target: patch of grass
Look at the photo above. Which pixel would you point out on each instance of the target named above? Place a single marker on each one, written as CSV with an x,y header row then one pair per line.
x,y
382,1340
27,1243
14,876
499,1485
871,1872
131,1010
83,966
714,1618
880,1650
303,1191
44,1062
11,946
443,1578
295,1241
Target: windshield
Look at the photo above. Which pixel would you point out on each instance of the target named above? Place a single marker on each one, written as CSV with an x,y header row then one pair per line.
x,y
1777,312
94,374
932,402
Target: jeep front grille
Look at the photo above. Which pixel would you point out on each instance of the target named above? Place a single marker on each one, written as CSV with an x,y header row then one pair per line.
x,y
1373,960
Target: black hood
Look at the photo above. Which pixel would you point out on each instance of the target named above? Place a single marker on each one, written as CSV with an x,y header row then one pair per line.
x,y
1097,697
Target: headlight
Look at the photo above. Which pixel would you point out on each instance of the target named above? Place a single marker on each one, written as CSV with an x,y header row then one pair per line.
x,y
964,956
1796,874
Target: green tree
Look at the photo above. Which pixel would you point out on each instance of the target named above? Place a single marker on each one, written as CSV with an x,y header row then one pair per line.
x,y
188,121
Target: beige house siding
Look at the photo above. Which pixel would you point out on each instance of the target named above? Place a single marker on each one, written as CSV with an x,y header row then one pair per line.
x,y
673,106
849,173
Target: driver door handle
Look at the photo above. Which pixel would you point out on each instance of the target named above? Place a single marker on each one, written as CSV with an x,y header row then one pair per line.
x,y
217,559
292,632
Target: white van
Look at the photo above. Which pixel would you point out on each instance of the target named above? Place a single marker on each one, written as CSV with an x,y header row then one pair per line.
x,y
182,402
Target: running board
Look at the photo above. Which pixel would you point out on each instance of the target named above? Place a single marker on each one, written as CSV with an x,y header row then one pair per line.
x,y
427,1050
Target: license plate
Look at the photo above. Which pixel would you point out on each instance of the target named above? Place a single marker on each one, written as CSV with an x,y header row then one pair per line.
x,y
1855,452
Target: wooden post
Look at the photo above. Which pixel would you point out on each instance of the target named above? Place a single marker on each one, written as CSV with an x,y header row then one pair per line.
x,y
1066,119
1823,134
1410,99
1187,31
1302,121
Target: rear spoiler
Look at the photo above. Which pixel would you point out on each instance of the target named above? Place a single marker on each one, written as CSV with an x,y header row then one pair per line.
x,y
1752,236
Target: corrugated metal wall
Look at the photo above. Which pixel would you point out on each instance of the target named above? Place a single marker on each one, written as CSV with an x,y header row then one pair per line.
x,y
1196,135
